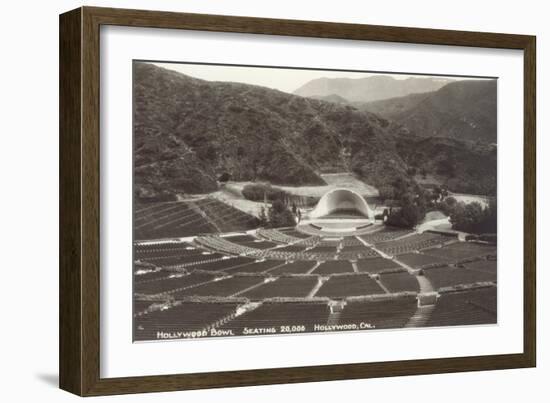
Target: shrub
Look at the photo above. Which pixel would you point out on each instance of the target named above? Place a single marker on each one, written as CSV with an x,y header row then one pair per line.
x,y
474,218
279,215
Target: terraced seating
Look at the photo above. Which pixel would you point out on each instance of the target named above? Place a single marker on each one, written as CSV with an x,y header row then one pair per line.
x,y
223,245
292,248
471,307
377,265
151,275
322,249
188,218
169,220
221,264
358,254
182,260
256,243
462,250
277,236
385,234
310,241
298,286
413,243
294,233
399,282
349,286
221,288
225,217
334,267
488,266
163,248
420,260
451,277
256,267
350,241
240,239
277,314
354,248
382,314
172,282
181,318
297,267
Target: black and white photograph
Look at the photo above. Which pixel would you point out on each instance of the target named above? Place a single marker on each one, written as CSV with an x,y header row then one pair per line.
x,y
270,200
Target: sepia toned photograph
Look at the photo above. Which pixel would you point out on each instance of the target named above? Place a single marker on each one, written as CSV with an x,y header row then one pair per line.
x,y
276,200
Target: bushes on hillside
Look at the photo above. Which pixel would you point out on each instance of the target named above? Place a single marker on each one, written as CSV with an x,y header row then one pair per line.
x,y
472,217
410,212
413,203
279,215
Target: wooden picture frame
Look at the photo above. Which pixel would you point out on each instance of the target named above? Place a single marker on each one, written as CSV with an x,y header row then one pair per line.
x,y
79,280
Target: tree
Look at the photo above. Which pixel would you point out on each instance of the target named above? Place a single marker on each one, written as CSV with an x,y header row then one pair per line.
x,y
224,177
466,217
263,217
412,209
447,205
280,215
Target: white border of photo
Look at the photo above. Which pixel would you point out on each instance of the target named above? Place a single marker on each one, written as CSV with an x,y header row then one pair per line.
x,y
120,357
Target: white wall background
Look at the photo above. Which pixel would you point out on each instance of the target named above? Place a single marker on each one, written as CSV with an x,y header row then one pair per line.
x,y
29,202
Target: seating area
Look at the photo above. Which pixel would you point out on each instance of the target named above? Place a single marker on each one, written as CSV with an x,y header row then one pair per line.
x,y
221,264
288,287
221,244
294,233
462,250
380,313
400,282
471,307
358,254
484,266
173,281
277,314
448,276
225,287
414,243
385,234
179,219
297,267
256,267
334,267
421,260
279,275
161,249
250,241
183,260
169,220
349,286
225,217
377,265
277,236
181,319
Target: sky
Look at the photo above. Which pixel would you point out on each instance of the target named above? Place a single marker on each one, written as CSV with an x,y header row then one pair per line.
x,y
287,80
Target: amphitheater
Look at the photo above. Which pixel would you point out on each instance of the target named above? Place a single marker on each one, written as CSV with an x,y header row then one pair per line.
x,y
203,267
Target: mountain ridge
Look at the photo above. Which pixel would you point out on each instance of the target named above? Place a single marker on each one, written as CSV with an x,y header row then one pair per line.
x,y
372,88
188,132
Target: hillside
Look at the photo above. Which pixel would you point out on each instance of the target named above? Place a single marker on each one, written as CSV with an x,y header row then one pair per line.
x,y
464,167
464,110
188,132
371,88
